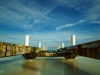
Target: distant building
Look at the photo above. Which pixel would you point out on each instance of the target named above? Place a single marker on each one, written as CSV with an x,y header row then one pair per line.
x,y
27,40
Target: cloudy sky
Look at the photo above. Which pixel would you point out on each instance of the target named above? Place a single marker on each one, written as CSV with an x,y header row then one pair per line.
x,y
50,22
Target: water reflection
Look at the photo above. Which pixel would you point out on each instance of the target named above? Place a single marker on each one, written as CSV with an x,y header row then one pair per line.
x,y
31,67
47,66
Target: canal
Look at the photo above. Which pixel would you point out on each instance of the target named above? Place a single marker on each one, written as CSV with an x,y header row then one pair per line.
x,y
17,65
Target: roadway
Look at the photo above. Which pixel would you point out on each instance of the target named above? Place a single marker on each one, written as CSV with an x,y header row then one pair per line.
x,y
17,65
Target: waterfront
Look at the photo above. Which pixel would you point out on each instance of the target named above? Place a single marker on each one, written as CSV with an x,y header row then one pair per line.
x,y
17,65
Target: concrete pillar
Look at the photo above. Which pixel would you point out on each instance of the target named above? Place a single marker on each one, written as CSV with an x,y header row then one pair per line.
x,y
59,46
27,40
44,47
62,45
73,40
47,48
40,45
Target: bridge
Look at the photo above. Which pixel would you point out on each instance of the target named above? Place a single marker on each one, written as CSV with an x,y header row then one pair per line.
x,y
89,49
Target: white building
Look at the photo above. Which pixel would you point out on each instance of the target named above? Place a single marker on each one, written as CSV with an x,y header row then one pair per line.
x,y
73,40
27,40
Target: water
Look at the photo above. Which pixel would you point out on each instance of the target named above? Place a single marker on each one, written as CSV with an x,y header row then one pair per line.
x,y
17,65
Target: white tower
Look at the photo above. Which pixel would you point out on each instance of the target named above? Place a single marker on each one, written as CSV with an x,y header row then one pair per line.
x,y
62,45
40,45
27,40
44,47
59,46
73,40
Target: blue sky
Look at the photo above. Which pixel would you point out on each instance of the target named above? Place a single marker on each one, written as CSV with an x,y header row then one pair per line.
x,y
50,22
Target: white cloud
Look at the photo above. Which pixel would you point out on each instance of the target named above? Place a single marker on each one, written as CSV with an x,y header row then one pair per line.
x,y
78,4
98,29
20,15
84,37
12,18
69,25
93,13
98,22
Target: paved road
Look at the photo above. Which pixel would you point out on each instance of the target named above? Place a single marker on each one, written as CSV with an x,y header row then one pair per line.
x,y
17,65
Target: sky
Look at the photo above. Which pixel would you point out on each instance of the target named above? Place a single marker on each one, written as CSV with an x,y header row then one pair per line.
x,y
50,22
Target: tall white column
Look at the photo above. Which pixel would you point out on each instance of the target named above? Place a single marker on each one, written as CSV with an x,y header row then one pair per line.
x,y
62,45
39,44
59,46
27,40
73,40
43,47
46,48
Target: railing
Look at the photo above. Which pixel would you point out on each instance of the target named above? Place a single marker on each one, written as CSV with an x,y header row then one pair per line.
x,y
90,49
8,49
